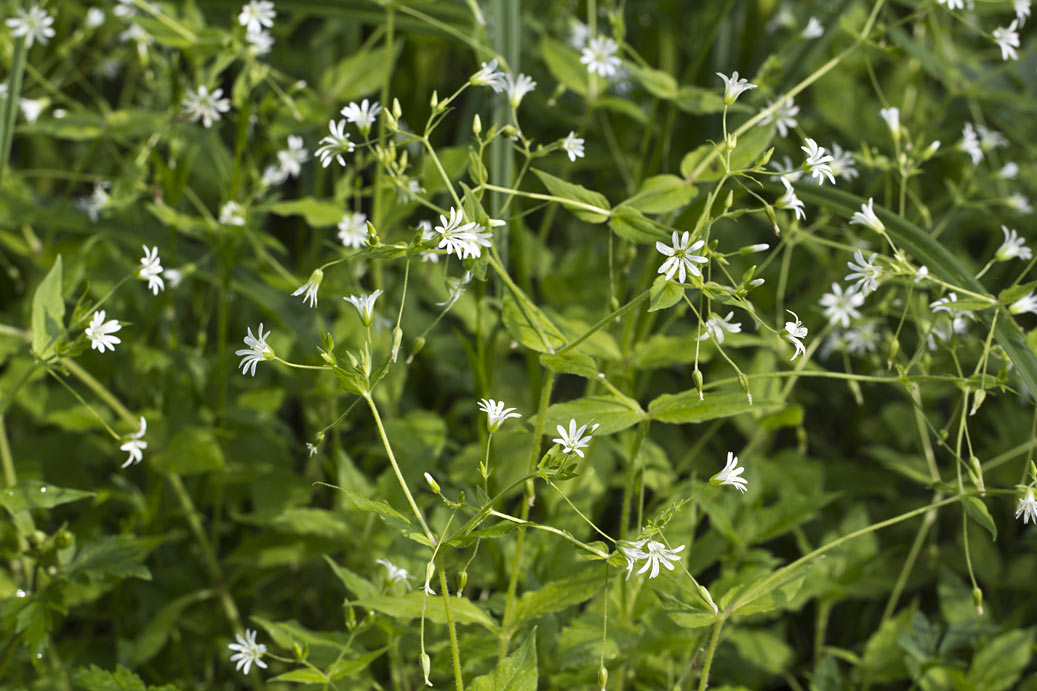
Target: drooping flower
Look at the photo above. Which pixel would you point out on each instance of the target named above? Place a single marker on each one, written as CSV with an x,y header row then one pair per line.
x,y
496,413
892,117
248,652
841,307
657,554
205,106
1027,507
680,258
866,272
135,445
352,230
364,304
489,75
1022,11
631,551
784,116
363,115
151,270
1007,39
310,287
866,217
290,160
573,146
257,351
795,332
600,56
100,332
1013,246
818,162
572,440
335,144
256,15
34,24
93,204
518,87
716,325
730,475
789,200
1024,304
394,573
734,87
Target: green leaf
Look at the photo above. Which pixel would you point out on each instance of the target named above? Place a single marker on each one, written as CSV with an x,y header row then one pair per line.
x,y
48,312
303,675
356,584
93,678
564,64
977,511
517,672
662,193
1000,662
665,294
525,322
356,76
118,556
558,595
318,213
699,101
883,659
630,224
575,193
150,641
411,605
610,413
390,516
33,494
656,82
686,406
343,668
571,362
287,633
192,450
762,649
777,592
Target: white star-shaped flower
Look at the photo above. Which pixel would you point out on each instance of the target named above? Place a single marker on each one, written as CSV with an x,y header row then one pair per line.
x,y
256,15
970,143
734,87
841,307
632,552
572,440
205,106
866,217
818,162
1027,507
867,272
730,475
789,200
1007,39
716,325
657,554
813,29
364,304
231,214
363,115
600,56
680,258
783,117
335,144
518,87
248,651
496,413
794,332
100,332
310,288
892,117
352,230
843,163
290,160
489,75
34,24
257,351
1024,304
394,573
135,445
151,270
1014,246
573,146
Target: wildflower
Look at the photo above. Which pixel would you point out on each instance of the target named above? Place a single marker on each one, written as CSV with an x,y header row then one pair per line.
x,y
573,441
93,204
100,332
393,572
730,475
921,273
518,88
261,41
970,143
94,18
32,108
1019,203
958,317
488,75
352,230
789,200
1007,39
952,4
34,24
463,239
364,304
290,160
580,32
841,307
248,651
813,29
862,339
363,115
631,551
231,214
136,33
496,413
656,554
734,87
866,217
135,445
256,15
335,144
273,175
151,270
817,163
843,163
257,351
1022,11
600,56
991,139
125,8
866,272
680,259
311,450
1012,247
1009,171
205,106
715,326
1027,507
310,288
784,116
573,146
1024,304
794,331
456,288
892,118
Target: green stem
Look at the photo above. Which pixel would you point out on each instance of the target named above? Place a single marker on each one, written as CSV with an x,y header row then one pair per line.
x,y
548,198
8,397
604,321
10,102
713,640
455,650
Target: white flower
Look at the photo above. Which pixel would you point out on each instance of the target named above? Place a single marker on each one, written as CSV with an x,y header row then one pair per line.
x,y
455,290
248,651
256,15
428,591
311,450
125,8
921,273
93,205
866,272
1007,39
866,217
1009,171
496,413
136,33
518,88
151,270
94,18
573,441
135,445
364,304
310,288
991,139
813,29
488,75
631,551
970,143
1012,247
841,307
784,116
843,163
730,475
658,554
352,230
273,175
1022,11
734,87
257,351
261,41
573,146
205,106
290,160
952,4
463,239
394,573
1027,507
680,259
600,56
715,326
892,118
99,332
1024,304
817,163
362,115
795,331
231,214
1019,203
789,200
335,144
34,24
32,108
862,339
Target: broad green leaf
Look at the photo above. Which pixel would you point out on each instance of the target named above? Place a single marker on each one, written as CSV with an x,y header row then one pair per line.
x,y
977,511
303,675
662,193
610,413
776,593
762,649
656,82
630,224
343,668
571,362
686,406
575,193
33,494
318,213
48,312
699,101
286,633
558,595
411,605
307,520
517,672
529,326
390,516
665,294
356,584
113,556
883,659
152,638
355,76
564,63
192,450
93,678
1000,662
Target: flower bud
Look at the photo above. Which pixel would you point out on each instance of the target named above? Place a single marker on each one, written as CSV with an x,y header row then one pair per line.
x,y
476,125
462,581
434,102
432,483
759,247
397,338
697,376
396,110
603,677
977,600
744,381
426,667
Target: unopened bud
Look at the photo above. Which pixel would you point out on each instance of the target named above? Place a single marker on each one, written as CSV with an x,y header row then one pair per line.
x,y
476,125
756,283
396,110
931,150
434,102
432,483
744,381
462,581
397,338
977,401
976,471
426,667
977,599
603,677
697,376
759,247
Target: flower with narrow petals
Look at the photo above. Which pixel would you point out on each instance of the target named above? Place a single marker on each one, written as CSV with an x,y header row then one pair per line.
x,y
813,29
817,163
135,445
205,106
734,87
1012,247
1024,304
921,274
100,332
730,475
394,573
248,652
363,115
311,450
631,551
463,239
1007,39
892,117
496,413
256,15
518,87
1027,507
260,42
151,270
93,204
1019,203
843,163
657,554
716,325
794,332
34,24
862,339
310,288
970,143
257,351
572,440
680,259
290,160
1022,11
866,272
335,144
789,200
352,230
866,217
231,214
600,56
573,146
489,75
841,307
364,304
784,116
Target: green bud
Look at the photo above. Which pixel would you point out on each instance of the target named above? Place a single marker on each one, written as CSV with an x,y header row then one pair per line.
x,y
419,343
603,677
397,338
976,472
426,667
432,483
744,381
63,539
476,125
396,110
977,401
977,599
435,100
462,581
697,376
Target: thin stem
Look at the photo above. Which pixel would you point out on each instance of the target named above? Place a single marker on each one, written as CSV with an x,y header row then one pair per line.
x,y
548,197
713,640
455,651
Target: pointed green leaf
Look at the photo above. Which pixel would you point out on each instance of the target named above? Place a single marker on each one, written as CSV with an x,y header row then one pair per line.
x,y
48,312
583,197
686,406
517,672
